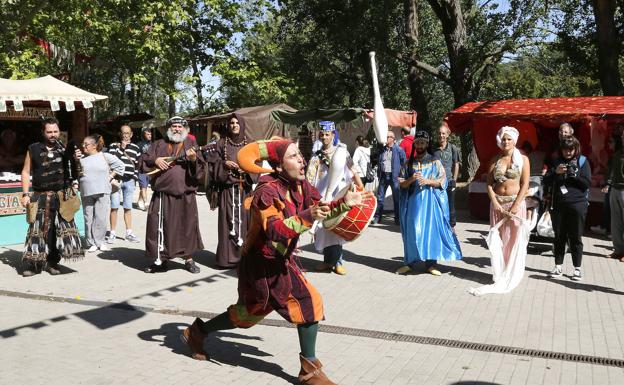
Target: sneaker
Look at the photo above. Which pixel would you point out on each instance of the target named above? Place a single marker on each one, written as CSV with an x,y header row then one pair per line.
x,y
191,267
103,247
598,230
577,275
53,270
28,273
340,270
557,272
142,205
92,249
132,238
110,238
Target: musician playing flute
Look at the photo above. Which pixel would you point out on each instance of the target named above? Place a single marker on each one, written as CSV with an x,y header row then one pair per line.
x,y
49,237
172,229
283,206
231,185
319,176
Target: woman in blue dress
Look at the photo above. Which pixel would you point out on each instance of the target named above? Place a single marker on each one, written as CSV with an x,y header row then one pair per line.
x,y
423,207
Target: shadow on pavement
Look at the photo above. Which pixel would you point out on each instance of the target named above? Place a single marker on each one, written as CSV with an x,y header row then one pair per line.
x,y
133,258
473,383
233,353
467,274
388,265
13,258
567,282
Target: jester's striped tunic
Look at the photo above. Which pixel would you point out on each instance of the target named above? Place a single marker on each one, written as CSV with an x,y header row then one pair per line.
x,y
269,278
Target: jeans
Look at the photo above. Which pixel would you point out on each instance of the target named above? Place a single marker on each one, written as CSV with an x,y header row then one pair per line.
x,y
127,189
450,194
385,181
332,255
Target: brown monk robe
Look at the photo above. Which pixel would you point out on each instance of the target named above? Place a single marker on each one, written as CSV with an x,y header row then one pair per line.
x,y
233,185
175,188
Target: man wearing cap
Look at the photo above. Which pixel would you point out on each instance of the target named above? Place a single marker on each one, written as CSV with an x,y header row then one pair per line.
x,y
390,160
283,206
172,228
425,227
329,184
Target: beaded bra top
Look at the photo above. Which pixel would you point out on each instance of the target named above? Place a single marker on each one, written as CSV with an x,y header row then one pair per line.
x,y
501,173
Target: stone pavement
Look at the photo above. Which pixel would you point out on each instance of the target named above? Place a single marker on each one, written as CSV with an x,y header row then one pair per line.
x,y
105,321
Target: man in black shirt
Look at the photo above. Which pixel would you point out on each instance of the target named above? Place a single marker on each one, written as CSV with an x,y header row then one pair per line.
x,y
49,236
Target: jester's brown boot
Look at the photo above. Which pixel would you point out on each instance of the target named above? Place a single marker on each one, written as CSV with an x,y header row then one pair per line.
x,y
311,373
194,338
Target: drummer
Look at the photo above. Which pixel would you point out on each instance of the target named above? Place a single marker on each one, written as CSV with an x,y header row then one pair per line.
x,y
318,175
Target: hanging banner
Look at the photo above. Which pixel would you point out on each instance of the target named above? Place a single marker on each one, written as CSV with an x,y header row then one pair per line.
x,y
10,204
3,106
69,105
28,113
87,104
54,105
18,105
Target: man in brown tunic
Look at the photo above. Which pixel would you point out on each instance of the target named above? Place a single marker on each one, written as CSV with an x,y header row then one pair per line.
x,y
172,223
233,185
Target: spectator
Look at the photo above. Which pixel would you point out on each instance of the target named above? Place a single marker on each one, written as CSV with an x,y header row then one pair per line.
x,y
406,141
95,188
570,177
390,160
361,158
144,145
450,157
128,153
616,200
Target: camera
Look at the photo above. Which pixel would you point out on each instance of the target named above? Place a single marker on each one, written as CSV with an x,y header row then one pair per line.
x,y
572,168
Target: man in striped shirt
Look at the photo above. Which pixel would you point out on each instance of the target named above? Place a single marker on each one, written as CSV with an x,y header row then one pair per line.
x,y
129,154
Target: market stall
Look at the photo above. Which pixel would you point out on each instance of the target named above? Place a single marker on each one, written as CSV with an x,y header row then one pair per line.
x,y
593,118
23,103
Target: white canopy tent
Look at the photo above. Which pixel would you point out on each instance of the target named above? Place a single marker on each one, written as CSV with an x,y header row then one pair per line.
x,y
47,88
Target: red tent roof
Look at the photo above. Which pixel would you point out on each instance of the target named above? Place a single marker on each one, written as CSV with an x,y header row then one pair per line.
x,y
537,109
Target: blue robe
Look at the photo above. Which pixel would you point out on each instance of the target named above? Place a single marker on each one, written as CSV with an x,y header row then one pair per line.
x,y
424,213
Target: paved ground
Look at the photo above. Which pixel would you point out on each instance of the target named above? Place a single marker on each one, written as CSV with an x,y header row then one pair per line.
x,y
105,321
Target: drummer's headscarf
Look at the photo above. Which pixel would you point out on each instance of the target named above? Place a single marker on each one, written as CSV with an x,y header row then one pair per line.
x,y
329,126
512,132
177,120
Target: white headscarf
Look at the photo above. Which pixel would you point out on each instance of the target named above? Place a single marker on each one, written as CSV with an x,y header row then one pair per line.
x,y
516,156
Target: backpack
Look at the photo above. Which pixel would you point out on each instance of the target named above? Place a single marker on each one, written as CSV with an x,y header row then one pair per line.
x,y
370,173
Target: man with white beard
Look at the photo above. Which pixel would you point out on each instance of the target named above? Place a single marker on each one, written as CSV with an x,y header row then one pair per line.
x,y
172,223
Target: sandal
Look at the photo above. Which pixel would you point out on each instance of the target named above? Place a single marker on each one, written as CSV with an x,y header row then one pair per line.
x,y
191,267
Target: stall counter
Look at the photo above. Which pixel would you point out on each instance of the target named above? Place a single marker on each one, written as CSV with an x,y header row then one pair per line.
x,y
13,226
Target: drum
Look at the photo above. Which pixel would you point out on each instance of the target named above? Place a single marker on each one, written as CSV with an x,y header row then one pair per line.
x,y
349,225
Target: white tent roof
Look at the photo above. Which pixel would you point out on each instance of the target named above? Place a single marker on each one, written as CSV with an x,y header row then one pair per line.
x,y
45,88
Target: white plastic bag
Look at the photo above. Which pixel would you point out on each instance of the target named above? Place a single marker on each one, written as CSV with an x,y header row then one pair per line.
x,y
544,226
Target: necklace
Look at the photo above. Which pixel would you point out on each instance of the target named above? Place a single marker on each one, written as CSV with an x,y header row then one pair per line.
x,y
235,173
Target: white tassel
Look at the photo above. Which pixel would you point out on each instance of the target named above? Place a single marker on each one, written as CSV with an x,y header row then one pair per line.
x,y
232,232
161,233
240,240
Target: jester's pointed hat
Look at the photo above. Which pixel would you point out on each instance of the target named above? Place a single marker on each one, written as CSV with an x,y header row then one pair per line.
x,y
270,150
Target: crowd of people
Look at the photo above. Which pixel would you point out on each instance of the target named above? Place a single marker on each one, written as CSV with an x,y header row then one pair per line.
x,y
258,228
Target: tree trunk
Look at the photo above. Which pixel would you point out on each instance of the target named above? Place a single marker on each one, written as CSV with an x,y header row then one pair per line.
x,y
199,86
414,77
450,14
608,47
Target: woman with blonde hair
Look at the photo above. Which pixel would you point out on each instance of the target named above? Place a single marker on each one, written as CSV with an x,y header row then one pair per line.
x,y
507,185
95,188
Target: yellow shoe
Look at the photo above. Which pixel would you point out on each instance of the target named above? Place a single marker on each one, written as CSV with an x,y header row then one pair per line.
x,y
433,271
403,270
340,270
323,267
